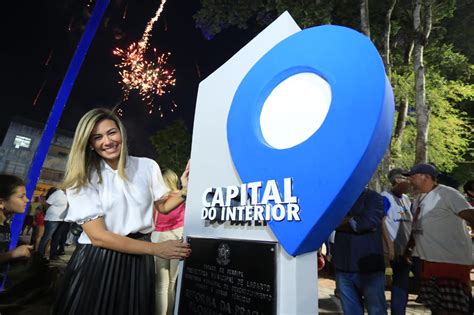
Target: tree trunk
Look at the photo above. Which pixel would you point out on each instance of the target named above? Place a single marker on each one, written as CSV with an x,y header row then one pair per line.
x,y
422,28
364,17
402,111
401,123
408,53
386,42
377,181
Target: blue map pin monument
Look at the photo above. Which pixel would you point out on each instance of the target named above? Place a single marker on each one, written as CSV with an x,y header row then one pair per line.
x,y
296,122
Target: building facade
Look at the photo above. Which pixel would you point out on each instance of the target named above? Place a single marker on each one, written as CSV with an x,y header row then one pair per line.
x,y
19,146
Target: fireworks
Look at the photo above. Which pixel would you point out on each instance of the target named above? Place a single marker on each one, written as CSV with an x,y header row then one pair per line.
x,y
119,112
46,63
124,16
39,92
150,78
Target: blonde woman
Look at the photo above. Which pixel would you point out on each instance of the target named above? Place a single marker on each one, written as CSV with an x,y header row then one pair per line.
x,y
168,226
112,195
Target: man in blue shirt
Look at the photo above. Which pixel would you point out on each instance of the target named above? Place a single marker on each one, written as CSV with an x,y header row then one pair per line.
x,y
358,257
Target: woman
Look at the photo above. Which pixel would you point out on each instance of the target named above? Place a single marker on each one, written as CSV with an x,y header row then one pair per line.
x,y
168,226
12,200
111,195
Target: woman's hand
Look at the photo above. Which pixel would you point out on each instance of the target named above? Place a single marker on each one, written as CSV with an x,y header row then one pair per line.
x,y
185,176
172,250
21,251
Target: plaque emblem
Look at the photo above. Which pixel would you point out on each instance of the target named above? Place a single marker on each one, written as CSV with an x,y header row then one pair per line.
x,y
223,254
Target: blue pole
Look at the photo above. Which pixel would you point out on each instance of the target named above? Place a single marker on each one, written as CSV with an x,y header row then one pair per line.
x,y
56,112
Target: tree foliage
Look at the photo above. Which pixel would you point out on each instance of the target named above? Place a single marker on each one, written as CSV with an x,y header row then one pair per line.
x,y
173,146
447,60
450,134
218,15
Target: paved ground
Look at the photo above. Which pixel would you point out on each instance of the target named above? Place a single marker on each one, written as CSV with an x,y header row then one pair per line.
x,y
329,303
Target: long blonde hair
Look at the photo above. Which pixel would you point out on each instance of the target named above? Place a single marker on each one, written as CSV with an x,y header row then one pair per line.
x,y
171,180
82,161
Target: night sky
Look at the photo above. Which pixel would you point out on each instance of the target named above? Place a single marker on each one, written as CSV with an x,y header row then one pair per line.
x,y
33,31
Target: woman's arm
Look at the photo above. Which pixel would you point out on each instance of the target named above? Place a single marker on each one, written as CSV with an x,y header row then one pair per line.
x,y
170,203
100,237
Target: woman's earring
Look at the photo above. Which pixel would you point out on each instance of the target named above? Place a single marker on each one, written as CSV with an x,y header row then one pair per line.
x,y
92,149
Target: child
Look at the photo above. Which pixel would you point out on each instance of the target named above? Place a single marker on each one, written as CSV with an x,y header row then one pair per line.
x,y
12,200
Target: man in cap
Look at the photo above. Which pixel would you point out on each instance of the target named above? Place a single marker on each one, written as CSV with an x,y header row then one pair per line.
x,y
442,242
398,221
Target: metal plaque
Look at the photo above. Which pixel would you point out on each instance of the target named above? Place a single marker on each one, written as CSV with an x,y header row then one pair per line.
x,y
228,276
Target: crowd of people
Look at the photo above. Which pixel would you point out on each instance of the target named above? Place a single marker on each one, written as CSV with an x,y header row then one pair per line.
x,y
418,226
131,217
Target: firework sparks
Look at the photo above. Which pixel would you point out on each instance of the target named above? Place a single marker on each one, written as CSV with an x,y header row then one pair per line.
x,y
198,71
49,57
69,28
39,92
150,78
124,16
175,106
143,43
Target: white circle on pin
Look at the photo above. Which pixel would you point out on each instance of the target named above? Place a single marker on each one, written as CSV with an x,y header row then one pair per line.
x,y
295,109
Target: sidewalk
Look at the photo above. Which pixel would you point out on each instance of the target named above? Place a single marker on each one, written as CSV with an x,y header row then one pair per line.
x,y
330,304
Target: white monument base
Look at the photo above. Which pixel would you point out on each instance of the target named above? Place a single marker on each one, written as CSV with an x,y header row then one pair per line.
x,y
211,166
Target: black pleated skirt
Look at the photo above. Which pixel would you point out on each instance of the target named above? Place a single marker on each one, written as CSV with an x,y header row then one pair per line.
x,y
103,281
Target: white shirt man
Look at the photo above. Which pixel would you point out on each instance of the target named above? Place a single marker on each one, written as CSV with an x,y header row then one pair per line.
x,y
442,241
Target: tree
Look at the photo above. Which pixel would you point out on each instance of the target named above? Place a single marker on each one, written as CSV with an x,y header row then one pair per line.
x,y
450,133
403,90
217,15
386,37
440,71
173,146
459,29
422,26
424,12
364,17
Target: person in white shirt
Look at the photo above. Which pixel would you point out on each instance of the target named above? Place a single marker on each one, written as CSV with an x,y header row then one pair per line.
x,y
398,220
56,202
112,195
442,242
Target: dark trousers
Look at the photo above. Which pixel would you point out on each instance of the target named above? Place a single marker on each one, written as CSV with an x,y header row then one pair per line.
x,y
50,228
401,271
362,289
53,230
59,239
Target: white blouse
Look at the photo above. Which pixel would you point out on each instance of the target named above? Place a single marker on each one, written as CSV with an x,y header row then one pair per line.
x,y
125,205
